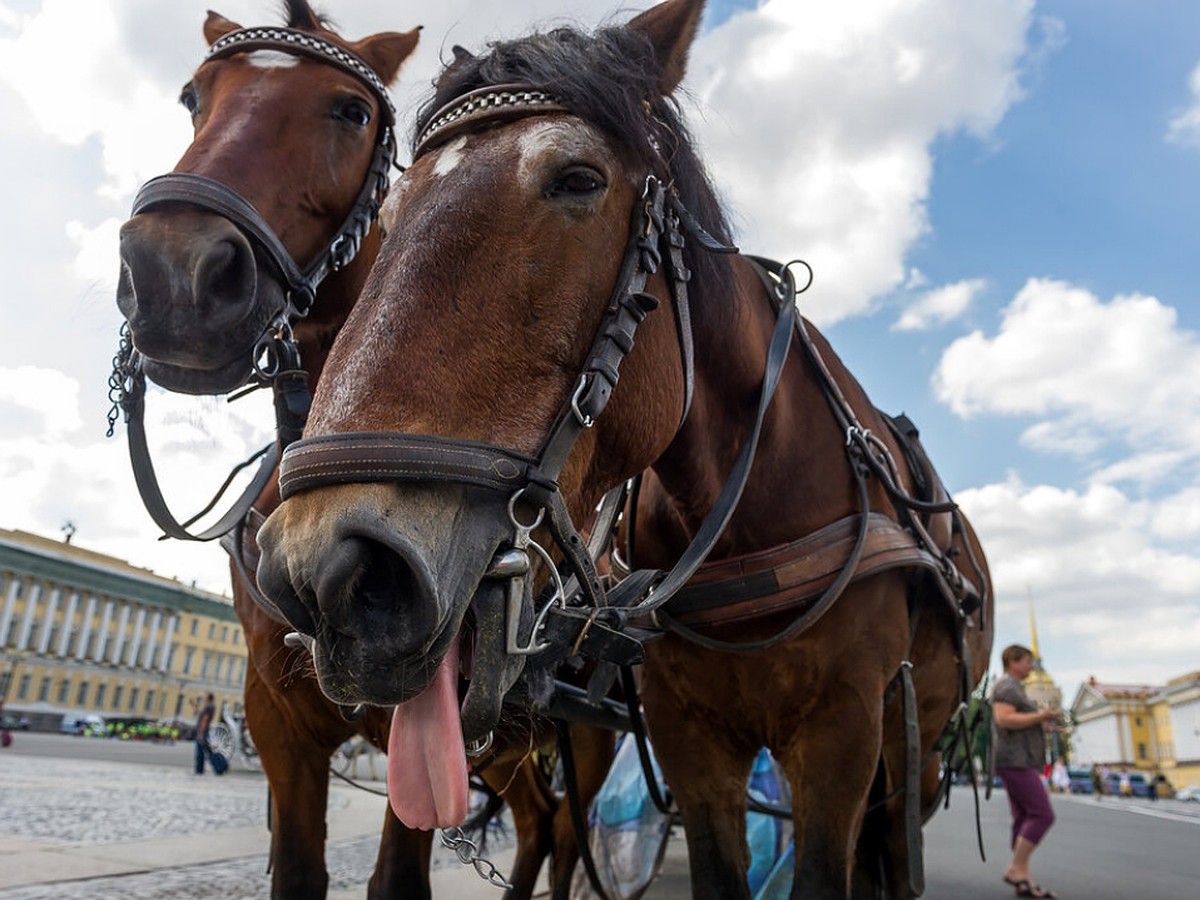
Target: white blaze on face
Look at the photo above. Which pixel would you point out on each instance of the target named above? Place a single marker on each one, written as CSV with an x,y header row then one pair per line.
x,y
272,59
552,140
450,156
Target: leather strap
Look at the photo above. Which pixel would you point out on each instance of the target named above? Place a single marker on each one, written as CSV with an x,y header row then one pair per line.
x,y
147,481
391,456
783,578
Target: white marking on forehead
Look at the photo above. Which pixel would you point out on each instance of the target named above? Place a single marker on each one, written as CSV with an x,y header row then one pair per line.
x,y
450,156
272,59
544,136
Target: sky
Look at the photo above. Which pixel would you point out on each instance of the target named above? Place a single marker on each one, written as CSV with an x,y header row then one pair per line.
x,y
999,201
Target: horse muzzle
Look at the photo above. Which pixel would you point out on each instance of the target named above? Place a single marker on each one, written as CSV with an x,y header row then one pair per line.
x,y
384,580
196,297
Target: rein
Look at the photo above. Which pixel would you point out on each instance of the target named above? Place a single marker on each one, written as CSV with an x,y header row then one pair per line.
x,y
276,357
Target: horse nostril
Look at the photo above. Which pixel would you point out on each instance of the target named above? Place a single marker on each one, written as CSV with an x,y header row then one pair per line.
x,y
224,278
385,578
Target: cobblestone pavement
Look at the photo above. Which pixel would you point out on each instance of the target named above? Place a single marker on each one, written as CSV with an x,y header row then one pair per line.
x,y
51,808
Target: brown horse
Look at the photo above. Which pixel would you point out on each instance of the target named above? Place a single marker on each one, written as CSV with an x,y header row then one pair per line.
x,y
541,226
266,117
263,120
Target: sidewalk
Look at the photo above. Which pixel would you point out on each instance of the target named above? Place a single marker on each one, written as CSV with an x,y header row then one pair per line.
x,y
90,829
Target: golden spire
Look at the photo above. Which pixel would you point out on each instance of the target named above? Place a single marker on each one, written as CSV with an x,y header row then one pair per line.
x,y
1033,643
1039,673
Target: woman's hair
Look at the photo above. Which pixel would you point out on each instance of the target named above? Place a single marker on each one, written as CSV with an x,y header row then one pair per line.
x,y
1014,653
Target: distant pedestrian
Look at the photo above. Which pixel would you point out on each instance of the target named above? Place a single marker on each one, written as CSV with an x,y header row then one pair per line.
x,y
1060,777
207,712
1097,781
1126,785
1019,749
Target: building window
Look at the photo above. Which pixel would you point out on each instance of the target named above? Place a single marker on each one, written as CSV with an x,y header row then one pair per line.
x,y
237,637
11,637
4,682
1141,751
133,699
1138,721
23,691
118,693
187,660
44,690
101,693
149,700
207,662
195,624
224,634
81,696
212,630
64,690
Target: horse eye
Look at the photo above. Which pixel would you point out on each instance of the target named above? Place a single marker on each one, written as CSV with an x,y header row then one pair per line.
x,y
354,112
575,183
190,98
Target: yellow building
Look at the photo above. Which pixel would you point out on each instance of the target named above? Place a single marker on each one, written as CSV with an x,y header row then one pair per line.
x,y
81,632
1152,728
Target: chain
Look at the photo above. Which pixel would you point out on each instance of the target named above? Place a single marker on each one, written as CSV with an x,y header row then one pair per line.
x,y
468,854
119,382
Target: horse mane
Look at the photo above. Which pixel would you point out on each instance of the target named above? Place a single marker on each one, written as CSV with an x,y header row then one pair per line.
x,y
298,14
606,78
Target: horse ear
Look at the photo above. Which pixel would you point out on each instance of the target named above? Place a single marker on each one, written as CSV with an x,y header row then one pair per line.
x,y
385,52
670,27
216,26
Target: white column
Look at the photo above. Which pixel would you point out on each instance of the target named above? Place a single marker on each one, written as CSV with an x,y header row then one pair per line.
x,y
102,635
138,624
10,604
33,595
48,621
155,624
164,655
122,624
68,624
86,631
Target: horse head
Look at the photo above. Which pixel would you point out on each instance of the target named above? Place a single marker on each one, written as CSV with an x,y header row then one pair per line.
x,y
523,221
220,252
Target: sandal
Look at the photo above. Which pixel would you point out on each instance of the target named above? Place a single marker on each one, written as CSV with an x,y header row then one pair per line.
x,y
1027,888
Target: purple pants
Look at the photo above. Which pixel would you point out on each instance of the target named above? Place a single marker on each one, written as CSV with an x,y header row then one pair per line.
x,y
1029,801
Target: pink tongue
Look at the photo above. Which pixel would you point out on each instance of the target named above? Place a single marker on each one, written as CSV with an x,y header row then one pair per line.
x,y
427,765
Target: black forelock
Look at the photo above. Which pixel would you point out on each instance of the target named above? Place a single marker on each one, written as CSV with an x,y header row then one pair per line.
x,y
298,14
610,79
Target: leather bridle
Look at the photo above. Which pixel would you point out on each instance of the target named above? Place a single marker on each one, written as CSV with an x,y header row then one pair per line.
x,y
579,616
276,356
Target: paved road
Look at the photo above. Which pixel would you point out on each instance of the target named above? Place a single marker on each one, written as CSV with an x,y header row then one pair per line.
x,y
83,818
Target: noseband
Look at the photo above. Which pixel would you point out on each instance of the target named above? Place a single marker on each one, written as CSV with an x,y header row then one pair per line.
x,y
276,358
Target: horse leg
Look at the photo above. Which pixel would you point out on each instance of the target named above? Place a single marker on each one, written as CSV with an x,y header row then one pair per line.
x,y
402,867
831,779
706,762
297,771
532,806
593,756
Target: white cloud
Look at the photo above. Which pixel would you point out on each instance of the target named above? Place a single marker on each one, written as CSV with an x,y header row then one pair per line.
x,y
1185,128
856,92
131,114
1092,372
1110,595
939,306
96,262
46,398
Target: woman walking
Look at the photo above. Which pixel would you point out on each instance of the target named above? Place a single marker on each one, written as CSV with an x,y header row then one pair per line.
x,y
1020,754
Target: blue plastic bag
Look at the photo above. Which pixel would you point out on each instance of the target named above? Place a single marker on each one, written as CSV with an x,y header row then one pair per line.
x,y
627,833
